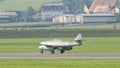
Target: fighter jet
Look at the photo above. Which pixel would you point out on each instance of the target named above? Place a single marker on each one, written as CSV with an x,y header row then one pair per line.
x,y
57,44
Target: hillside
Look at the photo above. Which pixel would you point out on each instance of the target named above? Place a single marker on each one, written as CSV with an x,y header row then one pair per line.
x,y
8,5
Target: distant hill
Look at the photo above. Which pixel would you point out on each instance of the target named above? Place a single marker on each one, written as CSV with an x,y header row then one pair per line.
x,y
1,0
8,5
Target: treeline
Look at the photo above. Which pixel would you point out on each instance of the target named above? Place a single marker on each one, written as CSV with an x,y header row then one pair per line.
x,y
46,33
29,14
118,17
76,6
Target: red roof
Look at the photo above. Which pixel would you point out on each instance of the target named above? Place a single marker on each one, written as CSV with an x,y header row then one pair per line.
x,y
101,9
95,7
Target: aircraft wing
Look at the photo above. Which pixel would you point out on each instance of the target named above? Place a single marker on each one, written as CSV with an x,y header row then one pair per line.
x,y
57,44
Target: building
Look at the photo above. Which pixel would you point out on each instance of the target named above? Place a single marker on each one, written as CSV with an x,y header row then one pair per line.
x,y
65,18
85,18
87,7
4,19
7,16
37,17
50,10
96,18
101,6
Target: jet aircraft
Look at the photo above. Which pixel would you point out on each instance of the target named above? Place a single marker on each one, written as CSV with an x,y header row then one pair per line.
x,y
60,45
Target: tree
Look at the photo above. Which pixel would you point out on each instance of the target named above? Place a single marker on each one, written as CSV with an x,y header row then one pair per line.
x,y
29,14
118,17
75,6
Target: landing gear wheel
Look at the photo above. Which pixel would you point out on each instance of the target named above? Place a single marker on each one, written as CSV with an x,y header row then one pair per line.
x,y
41,51
52,51
62,51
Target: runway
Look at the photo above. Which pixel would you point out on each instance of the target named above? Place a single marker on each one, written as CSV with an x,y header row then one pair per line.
x,y
65,55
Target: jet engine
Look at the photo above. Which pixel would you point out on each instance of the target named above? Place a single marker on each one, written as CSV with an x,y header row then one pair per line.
x,y
43,47
67,48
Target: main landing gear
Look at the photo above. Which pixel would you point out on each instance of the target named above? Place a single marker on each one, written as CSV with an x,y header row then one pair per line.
x,y
53,51
62,51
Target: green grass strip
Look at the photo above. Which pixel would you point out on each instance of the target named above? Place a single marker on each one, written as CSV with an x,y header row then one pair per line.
x,y
59,63
90,44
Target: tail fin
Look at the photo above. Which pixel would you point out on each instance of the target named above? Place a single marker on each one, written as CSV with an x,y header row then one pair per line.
x,y
78,39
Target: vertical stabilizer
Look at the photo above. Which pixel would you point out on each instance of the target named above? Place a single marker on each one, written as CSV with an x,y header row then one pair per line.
x,y
78,39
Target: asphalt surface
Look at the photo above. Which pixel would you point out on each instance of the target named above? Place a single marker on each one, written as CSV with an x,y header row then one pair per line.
x,y
65,55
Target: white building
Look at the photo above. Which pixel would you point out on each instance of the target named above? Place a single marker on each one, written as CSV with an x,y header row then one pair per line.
x,y
66,18
48,11
98,18
85,18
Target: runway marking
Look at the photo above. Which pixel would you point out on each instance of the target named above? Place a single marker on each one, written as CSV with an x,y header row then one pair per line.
x,y
65,55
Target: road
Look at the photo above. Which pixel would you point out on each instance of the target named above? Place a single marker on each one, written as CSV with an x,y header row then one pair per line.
x,y
65,55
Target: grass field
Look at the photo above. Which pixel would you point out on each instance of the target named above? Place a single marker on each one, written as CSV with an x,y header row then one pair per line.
x,y
94,40
90,44
57,32
8,5
60,25
59,63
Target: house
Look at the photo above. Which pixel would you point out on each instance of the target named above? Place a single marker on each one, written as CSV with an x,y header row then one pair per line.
x,y
87,7
7,16
101,6
50,10
118,9
37,17
4,19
